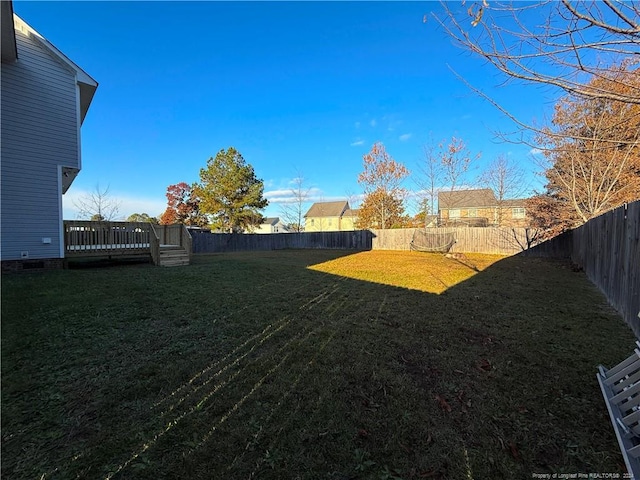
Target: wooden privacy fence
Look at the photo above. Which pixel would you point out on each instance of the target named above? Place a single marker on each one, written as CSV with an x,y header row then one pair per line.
x,y
499,240
608,249
505,241
207,242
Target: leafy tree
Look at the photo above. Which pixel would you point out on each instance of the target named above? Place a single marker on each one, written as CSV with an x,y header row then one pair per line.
x,y
183,206
230,192
97,205
381,180
592,154
376,202
549,215
142,217
421,219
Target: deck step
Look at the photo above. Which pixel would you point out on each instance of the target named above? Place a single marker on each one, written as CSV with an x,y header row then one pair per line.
x,y
173,256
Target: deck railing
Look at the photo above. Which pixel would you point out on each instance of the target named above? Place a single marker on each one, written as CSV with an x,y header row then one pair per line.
x,y
87,238
84,238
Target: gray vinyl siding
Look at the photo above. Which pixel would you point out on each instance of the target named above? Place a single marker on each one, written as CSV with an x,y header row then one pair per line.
x,y
39,133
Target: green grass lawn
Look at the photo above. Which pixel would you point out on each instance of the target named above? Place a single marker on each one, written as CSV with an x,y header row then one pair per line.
x,y
308,364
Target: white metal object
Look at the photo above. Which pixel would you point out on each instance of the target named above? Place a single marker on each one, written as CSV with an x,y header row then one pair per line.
x,y
620,387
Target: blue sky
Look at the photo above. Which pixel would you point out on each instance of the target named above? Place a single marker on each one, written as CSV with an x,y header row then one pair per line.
x,y
294,86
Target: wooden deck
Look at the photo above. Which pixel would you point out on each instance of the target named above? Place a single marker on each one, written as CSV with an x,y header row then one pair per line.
x,y
165,245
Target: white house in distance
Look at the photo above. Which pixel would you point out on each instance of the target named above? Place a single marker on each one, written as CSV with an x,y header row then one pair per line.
x,y
45,98
271,225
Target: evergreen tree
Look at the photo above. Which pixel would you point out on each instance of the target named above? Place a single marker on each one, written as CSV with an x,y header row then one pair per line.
x,y
230,193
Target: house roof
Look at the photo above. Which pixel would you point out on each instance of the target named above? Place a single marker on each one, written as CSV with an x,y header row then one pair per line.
x,y
328,209
515,202
270,221
481,197
86,83
350,212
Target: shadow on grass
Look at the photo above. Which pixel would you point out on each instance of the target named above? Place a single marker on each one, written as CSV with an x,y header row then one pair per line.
x,y
99,262
254,366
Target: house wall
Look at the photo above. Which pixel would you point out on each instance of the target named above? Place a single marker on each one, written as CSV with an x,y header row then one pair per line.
x,y
322,224
279,228
263,228
488,213
329,224
347,224
492,214
40,133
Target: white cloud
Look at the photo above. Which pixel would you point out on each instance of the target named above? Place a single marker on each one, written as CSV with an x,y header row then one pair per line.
x,y
295,181
373,122
272,194
285,195
535,151
405,136
357,143
357,124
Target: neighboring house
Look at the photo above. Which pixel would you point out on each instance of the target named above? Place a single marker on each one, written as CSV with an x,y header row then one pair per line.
x,y
330,217
45,97
513,213
431,221
423,221
349,218
271,225
480,208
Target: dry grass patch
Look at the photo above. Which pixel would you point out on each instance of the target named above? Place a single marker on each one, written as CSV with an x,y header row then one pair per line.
x,y
427,272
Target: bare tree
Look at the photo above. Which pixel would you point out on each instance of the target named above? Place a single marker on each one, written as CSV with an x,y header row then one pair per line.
x,y
354,199
590,52
562,50
444,167
506,179
430,179
294,209
562,44
455,159
97,205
